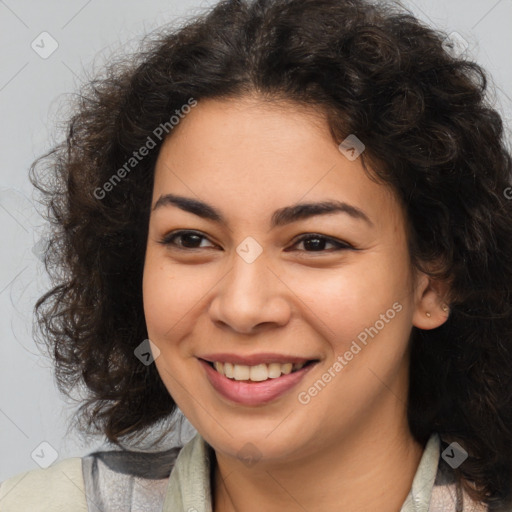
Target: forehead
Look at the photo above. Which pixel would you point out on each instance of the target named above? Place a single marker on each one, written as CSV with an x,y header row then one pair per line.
x,y
259,155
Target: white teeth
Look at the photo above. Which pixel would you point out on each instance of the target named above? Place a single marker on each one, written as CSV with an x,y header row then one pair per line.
x,y
274,370
287,368
257,373
241,372
228,370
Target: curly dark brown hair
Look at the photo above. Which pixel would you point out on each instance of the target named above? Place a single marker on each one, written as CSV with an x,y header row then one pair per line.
x,y
430,133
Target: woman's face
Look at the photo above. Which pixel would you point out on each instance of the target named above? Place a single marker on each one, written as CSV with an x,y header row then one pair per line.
x,y
249,277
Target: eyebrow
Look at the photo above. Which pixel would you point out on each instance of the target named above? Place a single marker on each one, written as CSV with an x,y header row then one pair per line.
x,y
280,217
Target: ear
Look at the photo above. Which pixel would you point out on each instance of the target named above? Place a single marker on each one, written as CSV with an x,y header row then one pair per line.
x,y
431,310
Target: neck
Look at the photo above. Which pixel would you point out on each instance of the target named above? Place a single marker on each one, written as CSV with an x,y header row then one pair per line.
x,y
372,468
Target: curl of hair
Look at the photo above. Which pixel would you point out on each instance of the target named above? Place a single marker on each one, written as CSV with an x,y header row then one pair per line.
x,y
430,134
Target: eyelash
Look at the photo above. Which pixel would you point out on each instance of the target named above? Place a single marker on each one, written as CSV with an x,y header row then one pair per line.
x,y
168,240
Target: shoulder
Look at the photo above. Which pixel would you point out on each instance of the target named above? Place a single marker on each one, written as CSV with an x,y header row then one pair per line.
x,y
135,480
58,488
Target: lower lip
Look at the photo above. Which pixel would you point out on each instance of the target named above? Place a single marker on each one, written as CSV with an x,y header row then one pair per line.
x,y
253,393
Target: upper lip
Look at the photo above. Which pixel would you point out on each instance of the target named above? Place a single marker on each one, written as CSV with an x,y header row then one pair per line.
x,y
254,359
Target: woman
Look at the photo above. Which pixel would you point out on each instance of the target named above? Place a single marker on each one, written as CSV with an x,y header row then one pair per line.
x,y
290,220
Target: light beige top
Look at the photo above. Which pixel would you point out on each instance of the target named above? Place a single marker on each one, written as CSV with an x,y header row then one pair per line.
x,y
95,483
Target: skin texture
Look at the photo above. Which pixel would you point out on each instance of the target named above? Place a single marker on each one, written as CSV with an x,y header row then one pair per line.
x,y
349,447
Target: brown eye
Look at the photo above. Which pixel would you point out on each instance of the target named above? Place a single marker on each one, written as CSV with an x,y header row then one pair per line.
x,y
185,240
318,243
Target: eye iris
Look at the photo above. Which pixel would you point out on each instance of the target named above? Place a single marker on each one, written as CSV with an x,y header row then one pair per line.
x,y
190,240
314,244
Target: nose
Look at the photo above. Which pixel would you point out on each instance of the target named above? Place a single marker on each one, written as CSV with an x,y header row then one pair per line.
x,y
250,298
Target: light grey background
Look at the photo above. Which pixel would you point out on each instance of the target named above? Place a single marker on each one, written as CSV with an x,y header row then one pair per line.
x,y
87,32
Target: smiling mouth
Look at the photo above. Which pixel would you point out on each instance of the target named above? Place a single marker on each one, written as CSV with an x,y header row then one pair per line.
x,y
259,372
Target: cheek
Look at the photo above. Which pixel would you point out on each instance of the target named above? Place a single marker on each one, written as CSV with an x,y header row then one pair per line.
x,y
362,301
348,297
168,298
154,297
160,289
172,296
